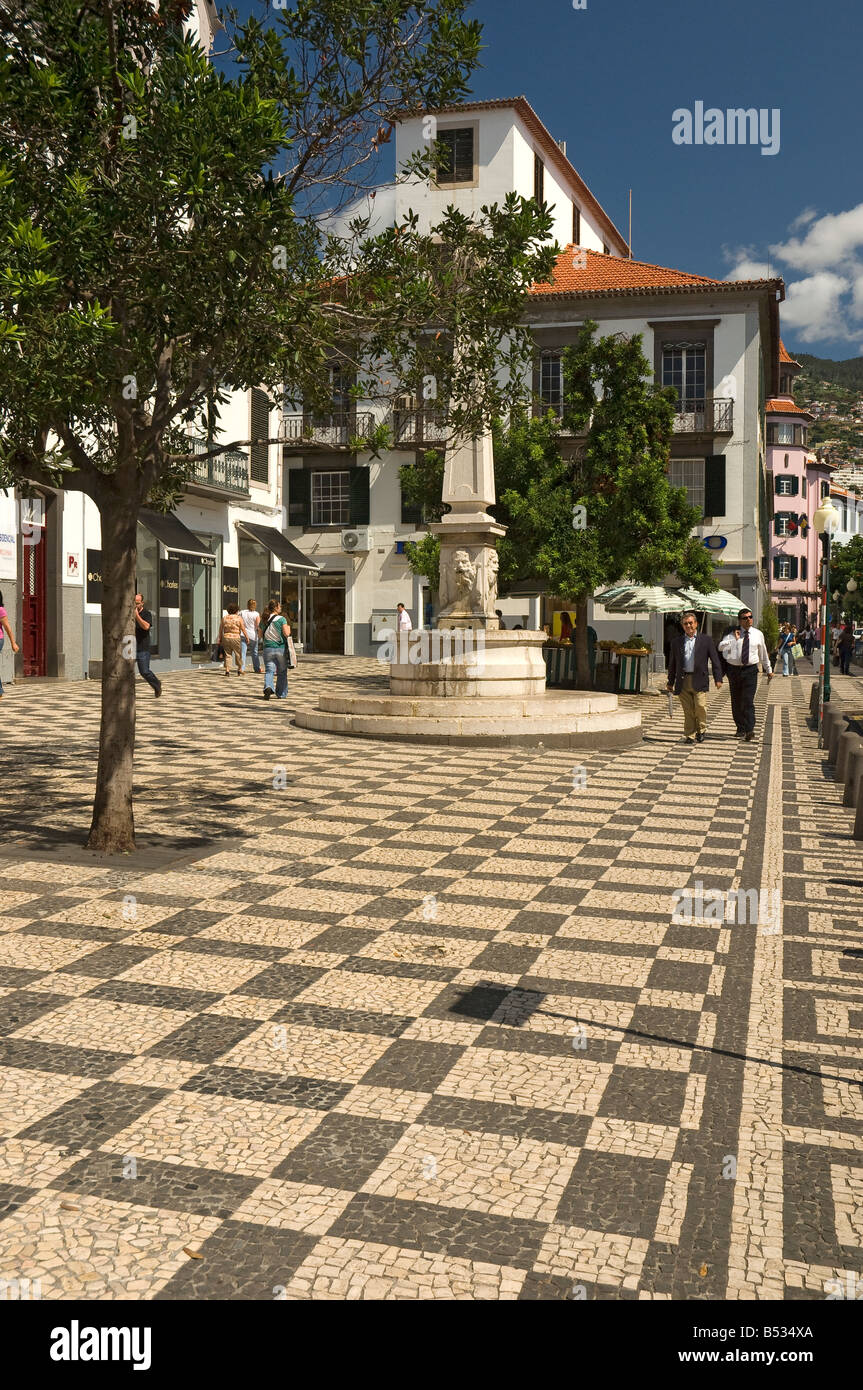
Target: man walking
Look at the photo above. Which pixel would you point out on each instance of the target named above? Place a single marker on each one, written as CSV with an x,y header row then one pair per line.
x,y
403,619
689,655
143,623
744,651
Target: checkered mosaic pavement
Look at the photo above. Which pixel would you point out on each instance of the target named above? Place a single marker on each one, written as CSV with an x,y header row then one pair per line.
x,y
360,1021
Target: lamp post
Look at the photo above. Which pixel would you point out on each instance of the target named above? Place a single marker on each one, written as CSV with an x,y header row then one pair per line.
x,y
825,521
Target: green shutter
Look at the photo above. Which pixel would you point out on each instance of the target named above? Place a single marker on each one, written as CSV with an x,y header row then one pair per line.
x,y
804,567
360,505
260,429
299,497
793,571
775,566
795,486
714,485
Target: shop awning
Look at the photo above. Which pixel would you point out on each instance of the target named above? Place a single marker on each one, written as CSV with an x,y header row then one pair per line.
x,y
181,543
283,549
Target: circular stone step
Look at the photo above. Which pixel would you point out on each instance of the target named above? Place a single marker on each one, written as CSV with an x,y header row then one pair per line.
x,y
557,720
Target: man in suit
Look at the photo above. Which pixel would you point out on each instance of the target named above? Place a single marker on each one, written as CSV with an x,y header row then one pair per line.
x,y
744,650
690,654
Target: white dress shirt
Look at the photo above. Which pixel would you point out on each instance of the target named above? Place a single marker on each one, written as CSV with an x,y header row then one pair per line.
x,y
689,654
731,648
404,620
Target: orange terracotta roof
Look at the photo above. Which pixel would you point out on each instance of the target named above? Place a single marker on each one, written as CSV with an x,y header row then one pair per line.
x,y
613,275
779,405
785,355
554,155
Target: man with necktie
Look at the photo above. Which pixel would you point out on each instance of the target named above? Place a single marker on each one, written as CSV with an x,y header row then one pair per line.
x,y
690,654
744,650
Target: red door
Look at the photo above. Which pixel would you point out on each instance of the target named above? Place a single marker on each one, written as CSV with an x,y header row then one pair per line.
x,y
33,606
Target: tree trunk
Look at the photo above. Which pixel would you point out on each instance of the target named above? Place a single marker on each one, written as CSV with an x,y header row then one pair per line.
x,y
113,827
583,679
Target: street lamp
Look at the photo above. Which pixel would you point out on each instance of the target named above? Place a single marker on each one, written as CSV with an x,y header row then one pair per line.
x,y
825,521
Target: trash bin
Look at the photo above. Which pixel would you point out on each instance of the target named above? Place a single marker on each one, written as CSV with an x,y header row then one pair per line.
x,y
632,672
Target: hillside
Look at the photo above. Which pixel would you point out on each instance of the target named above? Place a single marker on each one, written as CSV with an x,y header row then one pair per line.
x,y
833,391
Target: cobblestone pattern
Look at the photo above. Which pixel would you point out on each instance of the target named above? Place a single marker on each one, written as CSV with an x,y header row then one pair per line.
x,y
419,1024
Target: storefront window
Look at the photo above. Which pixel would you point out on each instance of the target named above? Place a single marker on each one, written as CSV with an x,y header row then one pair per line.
x,y
254,573
147,581
200,608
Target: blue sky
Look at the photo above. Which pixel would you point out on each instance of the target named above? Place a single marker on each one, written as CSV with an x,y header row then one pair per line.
x,y
608,78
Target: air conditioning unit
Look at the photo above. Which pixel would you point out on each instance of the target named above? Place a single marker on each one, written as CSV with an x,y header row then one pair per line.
x,y
356,540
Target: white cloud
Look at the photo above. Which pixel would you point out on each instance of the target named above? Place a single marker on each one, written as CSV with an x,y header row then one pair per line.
x,y
826,303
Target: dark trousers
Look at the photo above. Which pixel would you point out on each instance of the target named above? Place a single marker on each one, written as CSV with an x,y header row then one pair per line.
x,y
143,662
844,662
743,681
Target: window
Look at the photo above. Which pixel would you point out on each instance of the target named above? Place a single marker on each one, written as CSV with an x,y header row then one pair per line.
x,y
783,568
538,179
331,499
605,250
551,381
825,490
147,580
455,148
782,434
689,473
785,386
803,486
786,485
684,366
576,225
784,524
259,429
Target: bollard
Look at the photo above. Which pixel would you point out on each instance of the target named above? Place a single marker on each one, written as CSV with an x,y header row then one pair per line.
x,y
853,774
837,729
858,818
848,739
832,719
813,703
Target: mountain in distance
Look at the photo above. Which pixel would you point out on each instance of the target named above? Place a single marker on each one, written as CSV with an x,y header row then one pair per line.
x,y
834,391
847,373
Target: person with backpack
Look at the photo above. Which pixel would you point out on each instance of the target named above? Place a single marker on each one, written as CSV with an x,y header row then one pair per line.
x,y
279,653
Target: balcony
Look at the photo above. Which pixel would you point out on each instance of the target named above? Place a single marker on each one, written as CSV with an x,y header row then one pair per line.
x,y
227,472
714,416
417,428
301,434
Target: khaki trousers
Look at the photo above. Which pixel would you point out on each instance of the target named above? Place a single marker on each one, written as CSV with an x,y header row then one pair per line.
x,y
231,648
694,704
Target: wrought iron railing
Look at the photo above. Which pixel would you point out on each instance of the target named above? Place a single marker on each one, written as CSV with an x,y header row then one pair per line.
x,y
412,427
703,416
334,431
228,471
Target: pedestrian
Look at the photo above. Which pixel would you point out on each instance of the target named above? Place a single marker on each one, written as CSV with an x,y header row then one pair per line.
x,y
403,619
745,650
498,613
230,638
845,647
249,641
690,654
786,641
279,653
143,625
6,631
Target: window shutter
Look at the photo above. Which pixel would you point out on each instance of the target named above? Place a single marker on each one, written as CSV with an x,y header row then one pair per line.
x,y
299,497
777,484
260,429
359,495
714,485
411,515
777,523
795,486
804,567
775,566
793,570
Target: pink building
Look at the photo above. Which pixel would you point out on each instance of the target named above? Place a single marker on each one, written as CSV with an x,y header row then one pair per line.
x,y
796,482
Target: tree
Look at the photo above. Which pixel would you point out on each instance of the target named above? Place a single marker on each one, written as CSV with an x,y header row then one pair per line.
x,y
846,562
607,512
770,625
160,242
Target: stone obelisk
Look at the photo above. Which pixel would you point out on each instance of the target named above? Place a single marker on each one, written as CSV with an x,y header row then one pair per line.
x,y
468,553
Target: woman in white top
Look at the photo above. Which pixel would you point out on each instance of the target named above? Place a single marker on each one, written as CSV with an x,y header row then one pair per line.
x,y
251,623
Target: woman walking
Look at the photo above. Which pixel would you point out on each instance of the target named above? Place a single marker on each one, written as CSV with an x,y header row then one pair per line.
x,y
279,654
231,638
251,621
5,631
